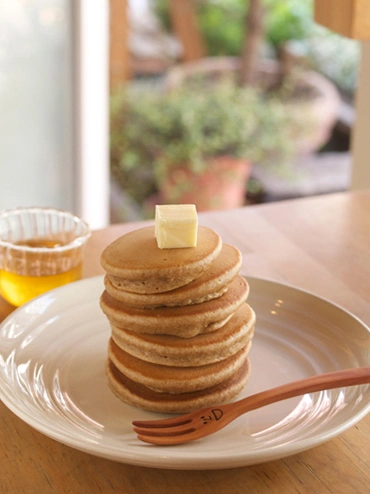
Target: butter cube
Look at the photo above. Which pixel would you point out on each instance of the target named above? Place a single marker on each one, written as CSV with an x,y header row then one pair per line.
x,y
176,226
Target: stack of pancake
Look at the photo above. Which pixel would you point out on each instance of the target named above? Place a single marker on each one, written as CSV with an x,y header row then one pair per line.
x,y
181,329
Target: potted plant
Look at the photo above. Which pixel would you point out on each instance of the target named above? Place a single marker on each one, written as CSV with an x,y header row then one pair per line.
x,y
196,145
271,27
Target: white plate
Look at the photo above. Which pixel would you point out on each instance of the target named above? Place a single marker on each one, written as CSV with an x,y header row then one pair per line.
x,y
52,354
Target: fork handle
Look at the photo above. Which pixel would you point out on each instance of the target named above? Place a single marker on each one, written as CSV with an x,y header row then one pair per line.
x,y
332,380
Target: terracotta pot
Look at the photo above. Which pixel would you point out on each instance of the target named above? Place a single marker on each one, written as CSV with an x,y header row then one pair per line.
x,y
221,186
318,112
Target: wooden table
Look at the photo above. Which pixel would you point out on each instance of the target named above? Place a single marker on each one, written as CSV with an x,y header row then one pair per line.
x,y
321,244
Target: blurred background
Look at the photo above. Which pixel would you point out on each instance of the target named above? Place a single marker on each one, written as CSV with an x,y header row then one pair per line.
x,y
54,100
108,108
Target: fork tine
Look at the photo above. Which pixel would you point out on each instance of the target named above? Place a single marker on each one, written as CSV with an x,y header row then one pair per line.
x,y
164,431
162,440
172,421
167,440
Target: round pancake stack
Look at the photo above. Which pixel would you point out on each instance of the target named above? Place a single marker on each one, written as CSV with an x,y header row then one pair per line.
x,y
181,329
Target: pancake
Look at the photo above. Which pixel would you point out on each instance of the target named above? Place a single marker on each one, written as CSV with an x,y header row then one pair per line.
x,y
186,321
181,330
135,263
143,397
184,352
211,284
172,379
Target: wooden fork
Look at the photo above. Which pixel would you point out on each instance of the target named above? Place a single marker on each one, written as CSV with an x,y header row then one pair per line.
x,y
201,423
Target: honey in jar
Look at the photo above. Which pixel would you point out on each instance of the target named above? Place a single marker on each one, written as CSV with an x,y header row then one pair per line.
x,y
42,266
41,248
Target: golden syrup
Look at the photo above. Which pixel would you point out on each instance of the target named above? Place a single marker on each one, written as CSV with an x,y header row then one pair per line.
x,y
40,242
19,289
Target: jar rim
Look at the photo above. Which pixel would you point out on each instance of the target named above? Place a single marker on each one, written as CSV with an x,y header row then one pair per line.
x,y
78,241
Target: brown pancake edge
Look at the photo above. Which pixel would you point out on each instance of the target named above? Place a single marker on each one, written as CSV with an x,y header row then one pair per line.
x,y
136,264
211,284
202,349
186,321
142,397
174,379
